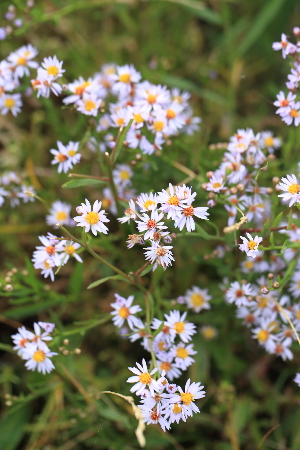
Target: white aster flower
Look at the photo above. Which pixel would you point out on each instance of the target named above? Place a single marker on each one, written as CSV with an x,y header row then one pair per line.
x,y
124,311
197,299
178,326
185,217
92,218
89,104
38,357
186,398
142,379
122,175
292,188
159,255
182,354
59,213
147,202
53,67
250,245
238,293
21,339
10,103
150,224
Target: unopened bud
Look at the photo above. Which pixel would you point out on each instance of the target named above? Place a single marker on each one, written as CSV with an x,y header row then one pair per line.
x,y
211,203
66,342
275,180
269,190
264,290
211,195
173,235
65,352
8,402
296,31
206,257
209,174
78,210
133,162
14,270
270,276
9,288
9,274
25,272
233,190
204,186
271,157
61,349
77,351
138,156
276,285
7,279
106,154
240,187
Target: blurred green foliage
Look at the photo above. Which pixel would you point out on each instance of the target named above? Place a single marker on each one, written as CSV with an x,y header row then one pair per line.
x,y
220,51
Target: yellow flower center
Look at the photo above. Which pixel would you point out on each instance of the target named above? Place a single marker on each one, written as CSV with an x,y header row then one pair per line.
x,y
170,114
138,118
39,356
177,408
89,105
124,174
71,152
61,215
106,203
124,312
9,103
81,88
252,245
173,200
182,353
148,203
242,147
263,303
120,121
294,188
125,78
70,250
294,113
92,218
269,141
158,125
179,327
249,264
186,398
263,335
208,333
197,299
53,70
145,378
298,314
21,61
216,185
162,345
151,98
165,366
60,157
178,98
46,265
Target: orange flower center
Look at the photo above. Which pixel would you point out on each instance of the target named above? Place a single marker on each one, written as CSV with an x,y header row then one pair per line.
x,y
165,366
173,200
188,211
294,113
294,188
170,114
151,224
124,312
50,249
60,157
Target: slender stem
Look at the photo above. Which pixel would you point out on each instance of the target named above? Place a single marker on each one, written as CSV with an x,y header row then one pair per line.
x,y
142,268
112,156
112,183
87,247
258,230
275,247
154,362
79,175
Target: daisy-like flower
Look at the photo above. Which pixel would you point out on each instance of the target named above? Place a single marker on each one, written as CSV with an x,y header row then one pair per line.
x,y
150,94
292,188
166,364
46,267
78,88
159,255
92,218
21,339
150,224
170,201
59,213
292,114
134,239
185,217
72,153
263,333
122,175
10,103
69,248
197,299
142,379
283,349
49,250
208,332
283,103
154,415
283,45
22,60
147,202
44,84
215,184
89,104
61,157
238,293
250,245
130,213
38,357
124,311
121,117
182,354
186,398
49,327
53,67
178,326
174,117
124,78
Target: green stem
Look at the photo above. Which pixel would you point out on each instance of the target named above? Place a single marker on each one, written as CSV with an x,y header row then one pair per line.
x,y
112,184
148,320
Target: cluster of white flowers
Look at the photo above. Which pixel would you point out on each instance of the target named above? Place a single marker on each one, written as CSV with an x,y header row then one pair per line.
x,y
289,106
53,253
234,181
267,313
32,347
157,112
149,210
14,189
66,156
163,402
47,76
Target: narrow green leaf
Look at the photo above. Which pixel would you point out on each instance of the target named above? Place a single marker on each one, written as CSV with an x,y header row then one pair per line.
x,y
277,220
290,220
103,280
146,270
121,140
202,232
158,329
266,227
288,274
82,182
272,239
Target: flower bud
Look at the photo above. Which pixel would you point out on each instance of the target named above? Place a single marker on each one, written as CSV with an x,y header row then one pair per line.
x,y
271,157
9,288
204,186
66,342
211,203
233,190
211,195
296,31
78,210
240,187
276,285
271,276
275,180
65,352
209,174
264,290
77,351
269,190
